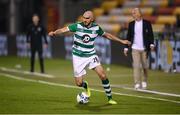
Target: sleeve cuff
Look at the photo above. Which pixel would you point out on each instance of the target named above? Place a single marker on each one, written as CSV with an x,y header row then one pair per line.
x,y
103,33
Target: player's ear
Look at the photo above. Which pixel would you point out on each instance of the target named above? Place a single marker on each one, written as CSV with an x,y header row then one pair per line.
x,y
92,19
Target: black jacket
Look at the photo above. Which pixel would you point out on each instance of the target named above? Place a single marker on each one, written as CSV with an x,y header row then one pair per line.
x,y
148,37
35,35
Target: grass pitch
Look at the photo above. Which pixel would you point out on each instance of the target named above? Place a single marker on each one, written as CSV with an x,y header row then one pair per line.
x,y
23,93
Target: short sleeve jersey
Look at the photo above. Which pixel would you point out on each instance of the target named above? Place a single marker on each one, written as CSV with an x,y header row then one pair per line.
x,y
84,38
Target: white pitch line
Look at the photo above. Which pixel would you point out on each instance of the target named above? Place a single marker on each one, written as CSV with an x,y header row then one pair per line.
x,y
147,91
70,86
26,72
154,92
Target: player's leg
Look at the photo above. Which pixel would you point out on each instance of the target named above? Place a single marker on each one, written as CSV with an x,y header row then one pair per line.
x,y
41,60
136,68
105,82
79,65
81,83
33,52
145,69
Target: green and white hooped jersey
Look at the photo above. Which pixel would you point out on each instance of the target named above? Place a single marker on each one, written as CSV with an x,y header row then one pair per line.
x,y
84,38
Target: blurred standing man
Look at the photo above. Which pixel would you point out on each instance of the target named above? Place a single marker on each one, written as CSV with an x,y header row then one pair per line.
x,y
35,35
84,53
140,34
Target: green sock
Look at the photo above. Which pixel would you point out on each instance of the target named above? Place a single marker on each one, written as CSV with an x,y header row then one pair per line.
x,y
84,85
107,88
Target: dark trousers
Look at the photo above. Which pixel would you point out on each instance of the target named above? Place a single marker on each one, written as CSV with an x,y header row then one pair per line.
x,y
41,61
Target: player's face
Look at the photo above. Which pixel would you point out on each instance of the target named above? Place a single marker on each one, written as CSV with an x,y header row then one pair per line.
x,y
35,19
87,20
136,14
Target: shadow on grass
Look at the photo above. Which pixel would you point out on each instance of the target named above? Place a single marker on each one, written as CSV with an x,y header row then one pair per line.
x,y
93,108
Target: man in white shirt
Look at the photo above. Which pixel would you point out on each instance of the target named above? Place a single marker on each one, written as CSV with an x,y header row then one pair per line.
x,y
140,34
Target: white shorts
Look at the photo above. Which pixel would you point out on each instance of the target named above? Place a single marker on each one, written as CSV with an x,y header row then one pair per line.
x,y
80,64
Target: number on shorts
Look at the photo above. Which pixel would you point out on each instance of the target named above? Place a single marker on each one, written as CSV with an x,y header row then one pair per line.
x,y
95,59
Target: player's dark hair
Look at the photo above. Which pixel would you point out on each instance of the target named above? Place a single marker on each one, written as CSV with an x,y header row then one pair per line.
x,y
35,14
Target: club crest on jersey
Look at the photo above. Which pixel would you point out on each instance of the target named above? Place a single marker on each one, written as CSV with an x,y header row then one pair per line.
x,y
39,29
86,38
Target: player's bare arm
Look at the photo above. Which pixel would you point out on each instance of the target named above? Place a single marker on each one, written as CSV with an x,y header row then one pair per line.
x,y
112,37
58,31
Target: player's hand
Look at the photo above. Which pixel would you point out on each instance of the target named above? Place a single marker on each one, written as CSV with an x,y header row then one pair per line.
x,y
126,42
52,34
125,52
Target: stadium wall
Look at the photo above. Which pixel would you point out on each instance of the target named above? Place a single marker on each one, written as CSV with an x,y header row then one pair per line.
x,y
166,57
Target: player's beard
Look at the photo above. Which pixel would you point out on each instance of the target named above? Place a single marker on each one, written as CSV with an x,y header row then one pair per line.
x,y
87,24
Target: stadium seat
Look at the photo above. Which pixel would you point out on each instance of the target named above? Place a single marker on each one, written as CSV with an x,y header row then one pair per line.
x,y
158,12
102,19
166,19
113,28
120,2
108,5
113,19
121,19
147,11
158,27
164,11
152,19
98,12
176,2
116,11
176,11
120,11
127,11
154,3
131,3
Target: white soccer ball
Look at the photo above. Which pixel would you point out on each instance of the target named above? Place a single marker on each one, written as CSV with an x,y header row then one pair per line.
x,y
82,98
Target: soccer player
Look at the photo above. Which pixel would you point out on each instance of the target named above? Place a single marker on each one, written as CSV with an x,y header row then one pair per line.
x,y
83,51
35,35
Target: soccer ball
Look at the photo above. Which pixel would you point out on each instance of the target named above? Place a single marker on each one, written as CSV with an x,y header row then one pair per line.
x,y
82,98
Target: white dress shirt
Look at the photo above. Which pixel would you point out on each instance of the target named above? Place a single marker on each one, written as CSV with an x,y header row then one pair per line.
x,y
138,36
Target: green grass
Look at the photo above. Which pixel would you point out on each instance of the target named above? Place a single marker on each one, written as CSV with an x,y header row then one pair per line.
x,y
18,96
